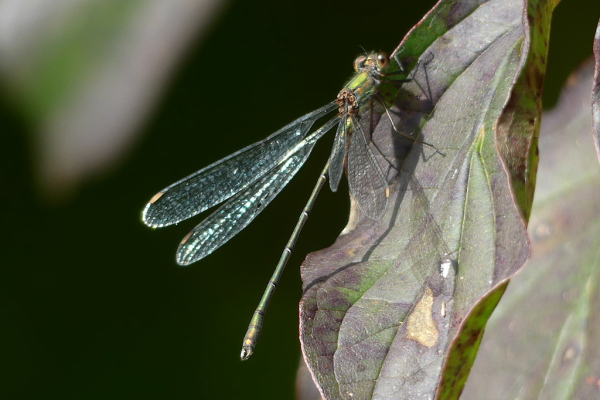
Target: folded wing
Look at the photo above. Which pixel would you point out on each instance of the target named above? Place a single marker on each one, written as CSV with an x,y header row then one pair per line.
x,y
228,176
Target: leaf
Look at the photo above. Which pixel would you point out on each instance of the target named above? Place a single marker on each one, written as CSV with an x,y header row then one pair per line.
x,y
518,128
516,140
596,93
377,316
542,342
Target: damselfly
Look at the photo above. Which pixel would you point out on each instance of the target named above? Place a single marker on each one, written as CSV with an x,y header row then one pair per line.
x,y
249,179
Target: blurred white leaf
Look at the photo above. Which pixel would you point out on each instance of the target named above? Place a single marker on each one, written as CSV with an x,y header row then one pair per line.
x,y
88,73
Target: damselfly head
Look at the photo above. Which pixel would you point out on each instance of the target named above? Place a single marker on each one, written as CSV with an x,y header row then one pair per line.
x,y
383,61
373,62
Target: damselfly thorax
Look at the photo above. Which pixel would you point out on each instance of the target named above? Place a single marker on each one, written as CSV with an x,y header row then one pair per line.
x,y
359,91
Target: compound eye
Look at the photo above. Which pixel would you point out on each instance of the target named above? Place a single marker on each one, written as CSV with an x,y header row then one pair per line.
x,y
359,63
383,61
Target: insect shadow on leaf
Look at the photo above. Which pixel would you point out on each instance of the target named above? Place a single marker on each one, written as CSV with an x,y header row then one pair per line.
x,y
399,173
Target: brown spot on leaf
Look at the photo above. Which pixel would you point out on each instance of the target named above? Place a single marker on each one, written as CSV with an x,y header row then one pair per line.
x,y
421,326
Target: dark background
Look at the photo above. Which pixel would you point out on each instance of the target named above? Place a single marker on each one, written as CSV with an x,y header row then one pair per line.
x,y
92,304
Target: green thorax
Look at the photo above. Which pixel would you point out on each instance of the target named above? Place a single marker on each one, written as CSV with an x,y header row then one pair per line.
x,y
364,86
